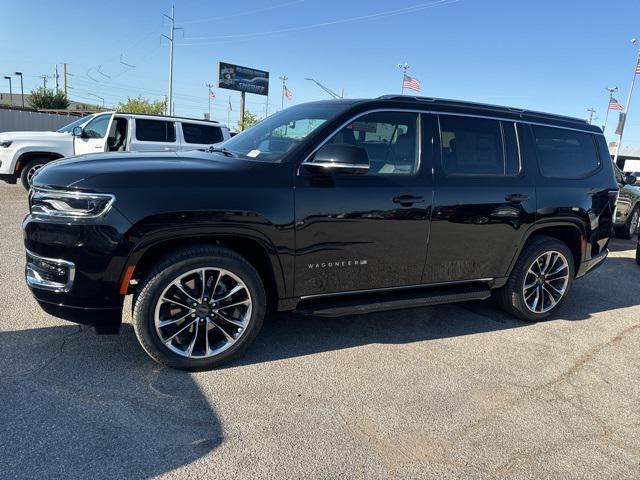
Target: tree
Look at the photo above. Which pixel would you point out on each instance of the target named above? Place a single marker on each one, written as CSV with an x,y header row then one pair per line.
x,y
142,105
47,99
250,119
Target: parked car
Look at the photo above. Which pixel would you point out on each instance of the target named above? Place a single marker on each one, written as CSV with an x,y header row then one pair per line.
x,y
329,208
22,154
627,216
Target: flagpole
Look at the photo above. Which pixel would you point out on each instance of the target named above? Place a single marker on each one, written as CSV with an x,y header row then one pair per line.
x,y
611,91
626,107
284,78
404,67
229,113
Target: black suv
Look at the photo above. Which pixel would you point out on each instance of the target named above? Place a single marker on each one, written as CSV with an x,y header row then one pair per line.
x,y
328,208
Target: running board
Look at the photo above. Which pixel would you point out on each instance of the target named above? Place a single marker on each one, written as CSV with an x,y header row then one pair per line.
x,y
382,302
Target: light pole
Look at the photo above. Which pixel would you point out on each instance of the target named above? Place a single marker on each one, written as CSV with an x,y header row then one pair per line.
x,y
10,90
284,79
209,85
21,88
404,66
611,91
636,69
326,89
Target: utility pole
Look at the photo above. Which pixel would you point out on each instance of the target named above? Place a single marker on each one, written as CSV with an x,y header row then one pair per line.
x,y
44,81
65,79
284,79
242,99
209,85
21,88
56,76
636,68
404,66
172,30
591,111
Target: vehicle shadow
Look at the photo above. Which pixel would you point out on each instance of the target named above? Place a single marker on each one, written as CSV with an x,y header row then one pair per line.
x,y
611,287
77,405
620,245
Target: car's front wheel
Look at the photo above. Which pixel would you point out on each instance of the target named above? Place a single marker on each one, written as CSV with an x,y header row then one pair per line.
x,y
199,308
540,280
630,227
29,170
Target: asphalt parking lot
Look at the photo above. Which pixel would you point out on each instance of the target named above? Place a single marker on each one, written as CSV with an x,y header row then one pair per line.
x,y
459,391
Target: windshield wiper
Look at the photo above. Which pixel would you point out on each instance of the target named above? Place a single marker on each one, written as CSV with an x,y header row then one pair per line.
x,y
222,150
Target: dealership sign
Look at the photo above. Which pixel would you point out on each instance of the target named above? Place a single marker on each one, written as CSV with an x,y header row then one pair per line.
x,y
243,79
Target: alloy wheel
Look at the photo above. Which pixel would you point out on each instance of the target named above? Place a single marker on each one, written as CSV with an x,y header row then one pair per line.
x,y
203,312
635,220
546,282
32,171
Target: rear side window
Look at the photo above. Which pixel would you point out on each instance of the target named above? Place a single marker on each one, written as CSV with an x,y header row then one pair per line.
x,y
478,146
155,131
565,153
196,133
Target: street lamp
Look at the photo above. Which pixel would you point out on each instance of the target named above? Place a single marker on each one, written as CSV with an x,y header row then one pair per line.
x,y
10,90
326,89
611,91
404,66
21,88
97,96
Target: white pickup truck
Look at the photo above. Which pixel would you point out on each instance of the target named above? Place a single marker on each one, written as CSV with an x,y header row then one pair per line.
x,y
23,153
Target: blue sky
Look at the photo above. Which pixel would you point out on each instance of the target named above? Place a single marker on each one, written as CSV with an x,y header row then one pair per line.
x,y
550,55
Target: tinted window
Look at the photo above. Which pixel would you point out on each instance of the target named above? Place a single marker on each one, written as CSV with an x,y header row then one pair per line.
x,y
155,130
565,153
473,146
97,128
196,133
390,139
77,123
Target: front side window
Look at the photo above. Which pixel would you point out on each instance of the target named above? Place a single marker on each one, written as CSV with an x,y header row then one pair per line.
x,y
565,153
275,136
202,134
97,128
155,131
474,146
77,123
390,139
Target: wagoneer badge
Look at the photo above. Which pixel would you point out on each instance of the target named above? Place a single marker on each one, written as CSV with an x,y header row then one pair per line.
x,y
339,263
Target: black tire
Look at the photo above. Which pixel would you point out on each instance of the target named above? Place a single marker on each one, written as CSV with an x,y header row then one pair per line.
x,y
629,228
28,169
638,252
170,268
511,296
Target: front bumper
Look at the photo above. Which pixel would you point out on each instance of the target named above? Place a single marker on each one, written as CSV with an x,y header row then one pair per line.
x,y
74,269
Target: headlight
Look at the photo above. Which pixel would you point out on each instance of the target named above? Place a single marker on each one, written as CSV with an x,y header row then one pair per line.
x,y
5,143
63,204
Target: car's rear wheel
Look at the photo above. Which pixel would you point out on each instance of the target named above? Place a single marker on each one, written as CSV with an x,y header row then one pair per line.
x,y
199,308
630,227
29,170
540,280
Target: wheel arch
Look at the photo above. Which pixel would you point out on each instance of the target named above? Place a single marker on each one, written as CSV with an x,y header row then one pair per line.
x,y
571,234
26,157
257,251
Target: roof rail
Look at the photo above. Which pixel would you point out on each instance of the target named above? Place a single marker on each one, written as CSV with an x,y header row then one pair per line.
x,y
460,103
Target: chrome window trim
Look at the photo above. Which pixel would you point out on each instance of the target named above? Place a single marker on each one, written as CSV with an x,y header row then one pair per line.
x,y
48,285
437,112
388,289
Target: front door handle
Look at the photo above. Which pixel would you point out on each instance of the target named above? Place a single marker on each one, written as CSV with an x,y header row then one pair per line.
x,y
407,200
516,197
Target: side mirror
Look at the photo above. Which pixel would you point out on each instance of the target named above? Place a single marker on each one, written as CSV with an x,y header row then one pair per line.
x,y
77,132
339,158
630,179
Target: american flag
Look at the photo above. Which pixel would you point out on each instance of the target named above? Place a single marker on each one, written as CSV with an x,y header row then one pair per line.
x,y
638,67
212,95
615,105
411,83
286,92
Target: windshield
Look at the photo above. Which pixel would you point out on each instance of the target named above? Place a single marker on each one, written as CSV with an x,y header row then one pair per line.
x,y
78,123
273,137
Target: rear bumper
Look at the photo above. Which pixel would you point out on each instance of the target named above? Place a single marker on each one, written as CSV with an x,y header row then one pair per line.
x,y
591,264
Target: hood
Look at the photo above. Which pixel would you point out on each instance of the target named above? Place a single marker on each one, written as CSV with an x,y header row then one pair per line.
x,y
33,135
108,171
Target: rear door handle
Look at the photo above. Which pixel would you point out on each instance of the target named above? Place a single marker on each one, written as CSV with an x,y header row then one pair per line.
x,y
407,200
516,197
